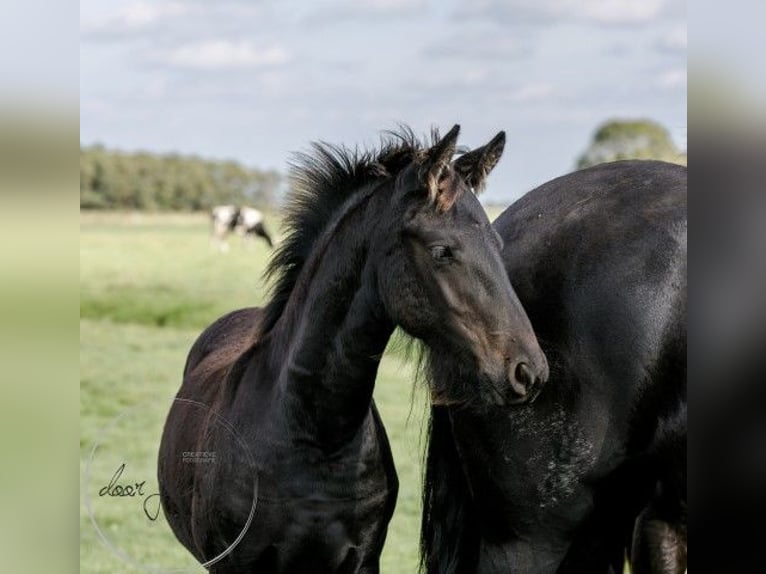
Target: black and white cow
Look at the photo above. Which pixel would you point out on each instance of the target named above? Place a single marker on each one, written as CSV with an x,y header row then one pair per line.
x,y
245,221
250,222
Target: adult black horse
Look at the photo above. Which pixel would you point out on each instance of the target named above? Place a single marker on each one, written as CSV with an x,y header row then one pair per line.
x,y
596,465
376,240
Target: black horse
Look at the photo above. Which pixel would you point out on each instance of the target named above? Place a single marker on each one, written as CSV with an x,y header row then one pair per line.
x,y
299,475
595,466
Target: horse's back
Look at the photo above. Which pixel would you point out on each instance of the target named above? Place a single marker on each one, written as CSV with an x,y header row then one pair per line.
x,y
598,258
617,216
224,339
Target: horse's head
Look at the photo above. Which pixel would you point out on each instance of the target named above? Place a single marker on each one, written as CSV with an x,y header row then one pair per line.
x,y
442,280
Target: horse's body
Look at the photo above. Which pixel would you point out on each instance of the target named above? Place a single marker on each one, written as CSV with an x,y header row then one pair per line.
x,y
562,484
301,492
375,241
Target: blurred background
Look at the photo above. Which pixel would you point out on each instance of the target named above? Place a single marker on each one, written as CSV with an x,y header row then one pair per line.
x,y
252,81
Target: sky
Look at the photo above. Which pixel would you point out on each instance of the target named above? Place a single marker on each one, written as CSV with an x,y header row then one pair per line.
x,y
257,80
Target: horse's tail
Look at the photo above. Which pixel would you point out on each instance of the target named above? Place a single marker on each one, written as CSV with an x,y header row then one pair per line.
x,y
448,535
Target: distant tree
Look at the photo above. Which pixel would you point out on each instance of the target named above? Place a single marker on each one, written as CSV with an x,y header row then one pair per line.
x,y
632,139
151,182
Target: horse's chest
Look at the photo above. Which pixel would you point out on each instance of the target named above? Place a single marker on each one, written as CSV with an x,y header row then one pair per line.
x,y
296,470
537,463
316,535
305,523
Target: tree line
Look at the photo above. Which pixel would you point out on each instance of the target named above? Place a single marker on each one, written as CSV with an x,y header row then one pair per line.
x,y
151,182
146,181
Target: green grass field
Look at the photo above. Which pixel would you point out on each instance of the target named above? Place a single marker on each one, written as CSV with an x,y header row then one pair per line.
x,y
148,285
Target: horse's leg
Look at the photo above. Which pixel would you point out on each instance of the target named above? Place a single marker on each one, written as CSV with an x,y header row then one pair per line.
x,y
218,239
660,531
260,231
659,537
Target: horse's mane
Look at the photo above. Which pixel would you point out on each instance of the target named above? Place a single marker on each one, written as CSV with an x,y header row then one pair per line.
x,y
321,183
449,540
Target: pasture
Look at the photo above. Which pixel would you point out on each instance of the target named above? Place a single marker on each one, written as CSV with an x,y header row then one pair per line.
x,y
148,285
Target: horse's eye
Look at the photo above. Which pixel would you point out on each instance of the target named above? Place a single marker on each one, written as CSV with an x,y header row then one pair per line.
x,y
441,253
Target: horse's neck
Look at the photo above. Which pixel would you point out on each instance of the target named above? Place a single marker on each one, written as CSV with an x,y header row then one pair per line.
x,y
334,340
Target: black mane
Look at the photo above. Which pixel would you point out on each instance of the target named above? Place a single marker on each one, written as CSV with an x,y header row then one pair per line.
x,y
320,183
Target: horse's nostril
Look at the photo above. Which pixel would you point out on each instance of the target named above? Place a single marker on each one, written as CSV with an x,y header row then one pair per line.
x,y
524,375
521,380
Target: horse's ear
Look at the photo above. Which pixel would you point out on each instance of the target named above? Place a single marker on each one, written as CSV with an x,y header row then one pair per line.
x,y
474,166
435,169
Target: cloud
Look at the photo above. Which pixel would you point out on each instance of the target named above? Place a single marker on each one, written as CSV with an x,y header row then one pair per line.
x,y
388,6
142,14
479,44
530,93
619,11
133,19
171,20
472,77
547,12
225,54
670,79
95,106
339,10
674,41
